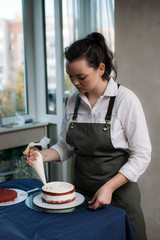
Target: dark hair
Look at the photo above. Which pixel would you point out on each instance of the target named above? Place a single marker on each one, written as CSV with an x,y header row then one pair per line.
x,y
95,50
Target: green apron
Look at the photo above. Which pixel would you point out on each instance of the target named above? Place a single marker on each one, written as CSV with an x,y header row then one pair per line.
x,y
97,161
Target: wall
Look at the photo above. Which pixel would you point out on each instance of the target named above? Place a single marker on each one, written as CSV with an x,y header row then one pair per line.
x,y
137,40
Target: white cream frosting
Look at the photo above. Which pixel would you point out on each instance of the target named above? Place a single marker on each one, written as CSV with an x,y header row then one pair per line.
x,y
58,187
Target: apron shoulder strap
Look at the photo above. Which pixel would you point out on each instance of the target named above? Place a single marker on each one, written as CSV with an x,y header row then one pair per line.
x,y
110,107
78,99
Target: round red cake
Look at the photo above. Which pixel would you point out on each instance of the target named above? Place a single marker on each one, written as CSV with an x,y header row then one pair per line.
x,y
7,195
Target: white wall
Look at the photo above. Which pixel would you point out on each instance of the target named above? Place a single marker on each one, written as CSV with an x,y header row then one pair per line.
x,y
137,38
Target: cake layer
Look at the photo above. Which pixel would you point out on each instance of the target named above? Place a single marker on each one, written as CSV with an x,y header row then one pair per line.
x,y
59,199
7,195
58,194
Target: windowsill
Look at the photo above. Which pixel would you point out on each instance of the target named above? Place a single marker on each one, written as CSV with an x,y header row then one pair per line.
x,y
11,128
22,135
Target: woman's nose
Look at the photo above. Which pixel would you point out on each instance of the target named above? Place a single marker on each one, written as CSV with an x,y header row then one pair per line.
x,y
75,81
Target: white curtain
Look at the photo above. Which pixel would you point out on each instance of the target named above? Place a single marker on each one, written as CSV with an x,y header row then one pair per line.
x,y
102,19
70,24
85,16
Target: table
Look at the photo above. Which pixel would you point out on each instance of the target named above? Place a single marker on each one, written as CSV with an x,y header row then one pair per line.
x,y
19,222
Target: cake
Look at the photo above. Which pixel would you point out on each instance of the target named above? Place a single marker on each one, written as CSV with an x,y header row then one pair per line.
x,y
7,195
58,193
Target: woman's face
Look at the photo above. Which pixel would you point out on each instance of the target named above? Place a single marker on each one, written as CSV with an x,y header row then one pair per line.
x,y
83,77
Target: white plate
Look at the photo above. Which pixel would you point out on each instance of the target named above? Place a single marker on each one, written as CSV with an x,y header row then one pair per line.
x,y
79,200
21,196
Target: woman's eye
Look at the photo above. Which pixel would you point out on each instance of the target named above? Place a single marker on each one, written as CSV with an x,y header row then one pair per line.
x,y
82,78
78,77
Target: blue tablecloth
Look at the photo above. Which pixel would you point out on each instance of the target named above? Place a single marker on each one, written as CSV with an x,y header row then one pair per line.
x,y
18,222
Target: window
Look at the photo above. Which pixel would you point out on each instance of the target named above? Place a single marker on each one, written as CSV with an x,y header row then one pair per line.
x,y
70,34
12,72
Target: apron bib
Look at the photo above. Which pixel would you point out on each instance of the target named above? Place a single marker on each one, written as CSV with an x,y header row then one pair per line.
x,y
97,161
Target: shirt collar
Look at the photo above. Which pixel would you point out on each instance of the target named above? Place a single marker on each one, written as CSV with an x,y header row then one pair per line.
x,y
111,89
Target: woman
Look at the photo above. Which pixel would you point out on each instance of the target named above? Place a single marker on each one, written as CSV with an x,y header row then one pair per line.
x,y
105,127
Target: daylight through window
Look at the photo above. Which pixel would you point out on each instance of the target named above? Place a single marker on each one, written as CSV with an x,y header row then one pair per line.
x,y
12,80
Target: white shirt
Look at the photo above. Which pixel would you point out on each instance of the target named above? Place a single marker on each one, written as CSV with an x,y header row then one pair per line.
x,y
128,127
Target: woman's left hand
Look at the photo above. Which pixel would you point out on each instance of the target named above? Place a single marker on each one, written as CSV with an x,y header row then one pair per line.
x,y
101,198
104,195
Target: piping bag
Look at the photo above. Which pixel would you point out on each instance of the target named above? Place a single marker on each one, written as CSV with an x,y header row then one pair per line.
x,y
38,165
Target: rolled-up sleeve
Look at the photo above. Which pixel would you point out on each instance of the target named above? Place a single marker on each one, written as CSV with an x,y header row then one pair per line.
x,y
136,132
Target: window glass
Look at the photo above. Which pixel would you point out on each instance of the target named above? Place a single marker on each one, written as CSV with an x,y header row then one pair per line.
x,y
50,55
70,34
12,72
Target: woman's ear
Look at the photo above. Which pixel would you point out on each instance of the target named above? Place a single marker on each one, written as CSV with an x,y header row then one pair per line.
x,y
101,68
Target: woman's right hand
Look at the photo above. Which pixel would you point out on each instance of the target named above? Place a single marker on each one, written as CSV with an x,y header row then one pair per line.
x,y
31,156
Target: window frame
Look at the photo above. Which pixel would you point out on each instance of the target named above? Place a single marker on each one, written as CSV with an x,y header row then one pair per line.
x,y
35,63
28,69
